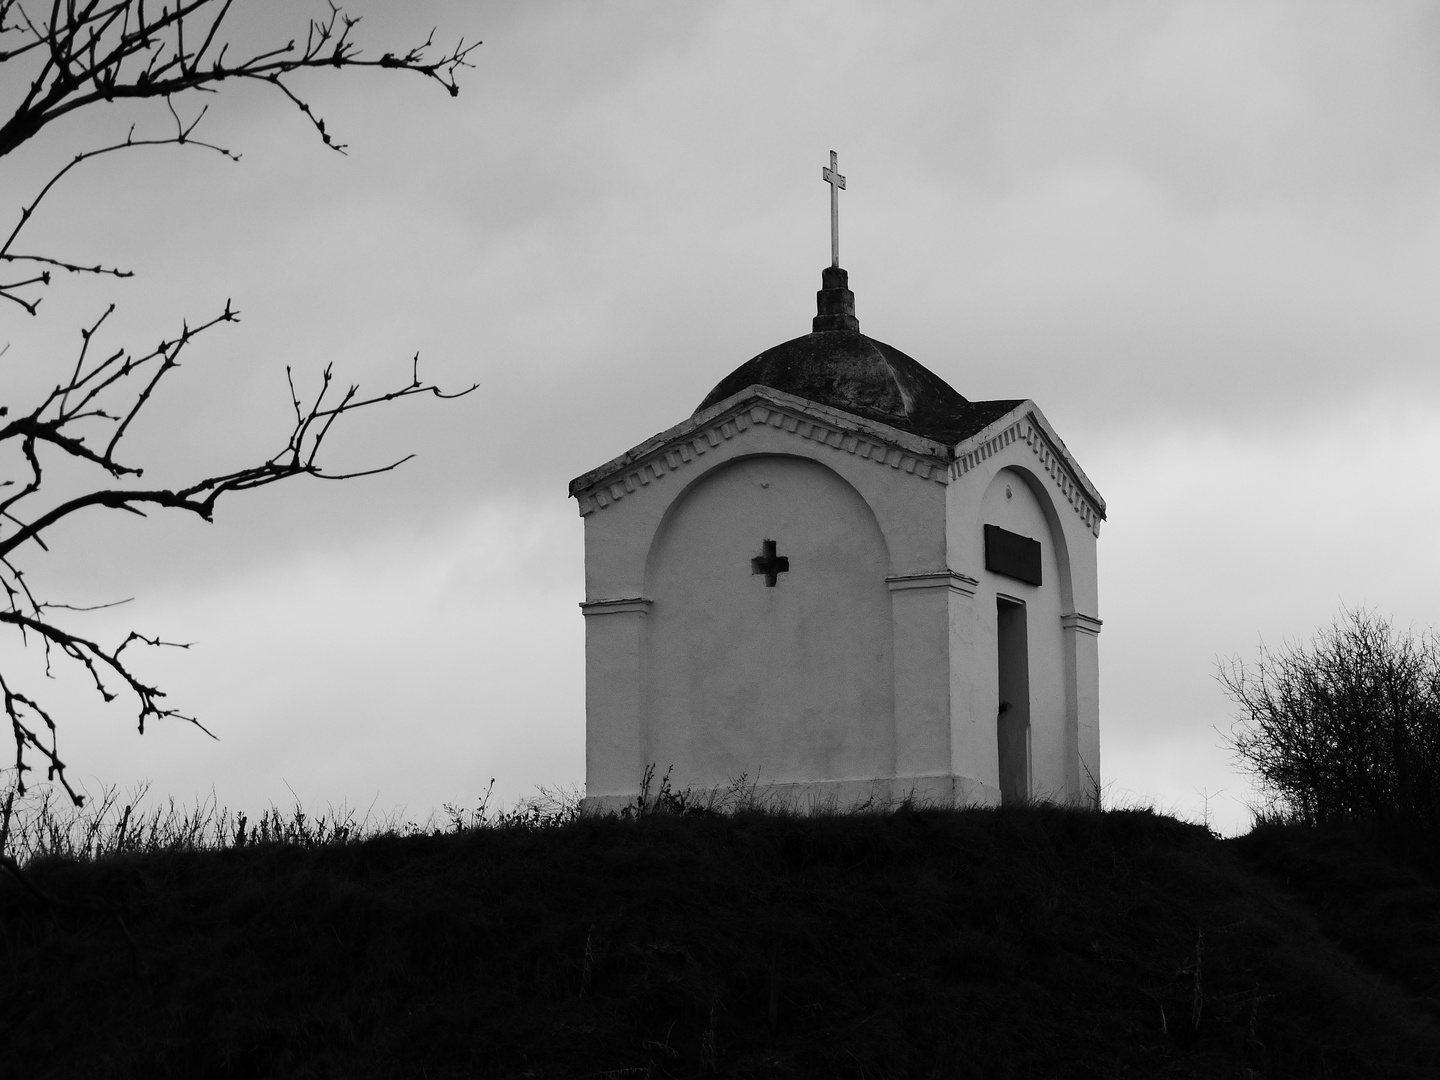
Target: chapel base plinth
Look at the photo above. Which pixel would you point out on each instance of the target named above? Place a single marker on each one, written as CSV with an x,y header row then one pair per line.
x,y
824,796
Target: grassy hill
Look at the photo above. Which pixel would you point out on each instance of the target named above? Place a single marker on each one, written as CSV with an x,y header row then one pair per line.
x,y
1018,943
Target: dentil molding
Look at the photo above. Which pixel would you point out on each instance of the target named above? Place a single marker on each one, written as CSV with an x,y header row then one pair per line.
x,y
678,452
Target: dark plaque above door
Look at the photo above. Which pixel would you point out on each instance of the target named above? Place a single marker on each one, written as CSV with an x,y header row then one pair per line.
x,y
1011,554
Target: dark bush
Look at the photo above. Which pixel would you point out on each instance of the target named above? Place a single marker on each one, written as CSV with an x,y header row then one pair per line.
x,y
1346,727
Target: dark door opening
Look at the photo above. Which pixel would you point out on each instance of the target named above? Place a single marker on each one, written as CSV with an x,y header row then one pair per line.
x,y
1012,719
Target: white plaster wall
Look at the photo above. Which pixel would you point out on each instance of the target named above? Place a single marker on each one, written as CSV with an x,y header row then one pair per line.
x,y
794,682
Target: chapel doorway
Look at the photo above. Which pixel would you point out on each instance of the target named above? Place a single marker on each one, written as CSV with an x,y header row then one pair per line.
x,y
1012,718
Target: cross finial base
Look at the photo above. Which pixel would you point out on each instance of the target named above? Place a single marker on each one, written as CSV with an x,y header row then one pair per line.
x,y
835,303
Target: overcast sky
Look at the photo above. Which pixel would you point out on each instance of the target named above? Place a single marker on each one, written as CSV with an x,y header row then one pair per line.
x,y
1204,237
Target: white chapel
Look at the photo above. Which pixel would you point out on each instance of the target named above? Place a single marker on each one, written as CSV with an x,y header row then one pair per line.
x,y
843,581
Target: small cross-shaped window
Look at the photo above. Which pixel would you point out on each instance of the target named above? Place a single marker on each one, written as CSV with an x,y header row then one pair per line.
x,y
769,564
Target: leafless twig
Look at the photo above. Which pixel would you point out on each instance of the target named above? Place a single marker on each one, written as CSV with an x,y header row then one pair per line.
x,y
75,54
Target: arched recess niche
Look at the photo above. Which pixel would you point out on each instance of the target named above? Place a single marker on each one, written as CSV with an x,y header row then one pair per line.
x,y
1031,512
794,681
1041,492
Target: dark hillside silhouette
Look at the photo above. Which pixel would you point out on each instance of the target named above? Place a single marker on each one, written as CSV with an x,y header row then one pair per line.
x,y
1021,942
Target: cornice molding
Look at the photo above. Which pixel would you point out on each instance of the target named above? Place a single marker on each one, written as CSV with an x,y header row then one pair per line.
x,y
1085,624
617,607
939,579
1026,424
758,407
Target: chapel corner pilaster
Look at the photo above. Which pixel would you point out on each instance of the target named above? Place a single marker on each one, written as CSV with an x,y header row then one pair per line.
x,y
614,693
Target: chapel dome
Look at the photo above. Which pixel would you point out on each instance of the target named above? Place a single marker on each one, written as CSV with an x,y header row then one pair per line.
x,y
838,366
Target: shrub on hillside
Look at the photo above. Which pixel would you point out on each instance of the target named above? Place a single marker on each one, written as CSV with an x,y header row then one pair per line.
x,y
1347,726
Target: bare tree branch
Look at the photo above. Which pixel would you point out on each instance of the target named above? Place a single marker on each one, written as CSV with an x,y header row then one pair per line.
x,y
104,52
78,54
114,51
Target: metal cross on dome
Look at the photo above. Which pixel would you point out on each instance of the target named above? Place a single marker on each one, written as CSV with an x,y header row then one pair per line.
x,y
837,184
